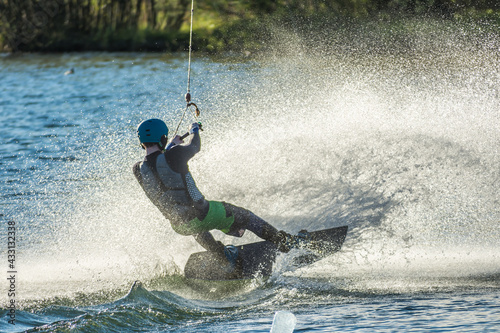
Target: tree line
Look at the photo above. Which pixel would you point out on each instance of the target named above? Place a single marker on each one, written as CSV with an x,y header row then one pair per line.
x,y
27,25
44,22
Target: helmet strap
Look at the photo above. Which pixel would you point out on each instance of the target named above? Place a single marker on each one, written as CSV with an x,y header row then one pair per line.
x,y
163,142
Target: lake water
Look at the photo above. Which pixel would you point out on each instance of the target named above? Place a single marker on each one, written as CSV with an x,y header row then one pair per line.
x,y
401,146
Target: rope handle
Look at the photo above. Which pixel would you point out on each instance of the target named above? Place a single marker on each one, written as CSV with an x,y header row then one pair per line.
x,y
185,135
196,110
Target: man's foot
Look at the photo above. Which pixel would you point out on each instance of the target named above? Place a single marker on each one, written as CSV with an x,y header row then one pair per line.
x,y
303,235
286,242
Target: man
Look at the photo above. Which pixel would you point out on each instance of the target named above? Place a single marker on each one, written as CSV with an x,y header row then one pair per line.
x,y
164,175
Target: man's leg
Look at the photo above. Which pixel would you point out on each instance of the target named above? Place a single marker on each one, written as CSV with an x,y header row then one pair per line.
x,y
208,242
245,219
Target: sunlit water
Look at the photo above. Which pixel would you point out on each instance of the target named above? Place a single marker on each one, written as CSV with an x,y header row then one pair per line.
x,y
401,146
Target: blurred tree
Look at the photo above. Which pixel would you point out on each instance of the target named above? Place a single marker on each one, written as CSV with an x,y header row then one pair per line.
x,y
25,24
41,24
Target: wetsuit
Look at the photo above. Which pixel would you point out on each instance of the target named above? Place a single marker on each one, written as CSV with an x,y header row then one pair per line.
x,y
166,179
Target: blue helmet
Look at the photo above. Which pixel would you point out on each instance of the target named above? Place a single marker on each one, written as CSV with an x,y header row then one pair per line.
x,y
152,131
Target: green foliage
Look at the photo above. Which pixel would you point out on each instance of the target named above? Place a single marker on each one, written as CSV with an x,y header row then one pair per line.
x,y
158,25
62,25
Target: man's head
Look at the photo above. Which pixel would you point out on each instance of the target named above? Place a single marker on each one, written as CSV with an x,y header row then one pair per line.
x,y
152,132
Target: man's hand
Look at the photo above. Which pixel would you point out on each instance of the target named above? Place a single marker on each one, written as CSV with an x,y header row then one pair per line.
x,y
177,140
195,128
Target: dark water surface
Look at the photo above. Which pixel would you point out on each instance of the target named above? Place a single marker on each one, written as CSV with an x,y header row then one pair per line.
x,y
403,149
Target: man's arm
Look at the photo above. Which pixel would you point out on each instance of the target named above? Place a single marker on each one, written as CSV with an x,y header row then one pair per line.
x,y
179,155
137,172
195,143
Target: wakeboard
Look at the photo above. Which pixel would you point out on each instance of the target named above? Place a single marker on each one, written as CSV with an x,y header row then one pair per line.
x,y
257,259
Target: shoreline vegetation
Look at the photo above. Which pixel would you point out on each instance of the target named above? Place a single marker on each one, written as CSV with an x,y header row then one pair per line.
x,y
221,26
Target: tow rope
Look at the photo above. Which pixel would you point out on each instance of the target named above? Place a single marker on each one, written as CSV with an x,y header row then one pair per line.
x,y
188,93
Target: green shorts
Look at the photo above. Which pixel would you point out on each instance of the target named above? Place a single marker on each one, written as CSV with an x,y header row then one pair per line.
x,y
216,219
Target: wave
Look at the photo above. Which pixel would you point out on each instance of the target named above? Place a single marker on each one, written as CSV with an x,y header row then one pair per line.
x,y
150,310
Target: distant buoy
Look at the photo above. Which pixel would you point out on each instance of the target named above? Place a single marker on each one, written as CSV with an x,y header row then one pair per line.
x,y
283,322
